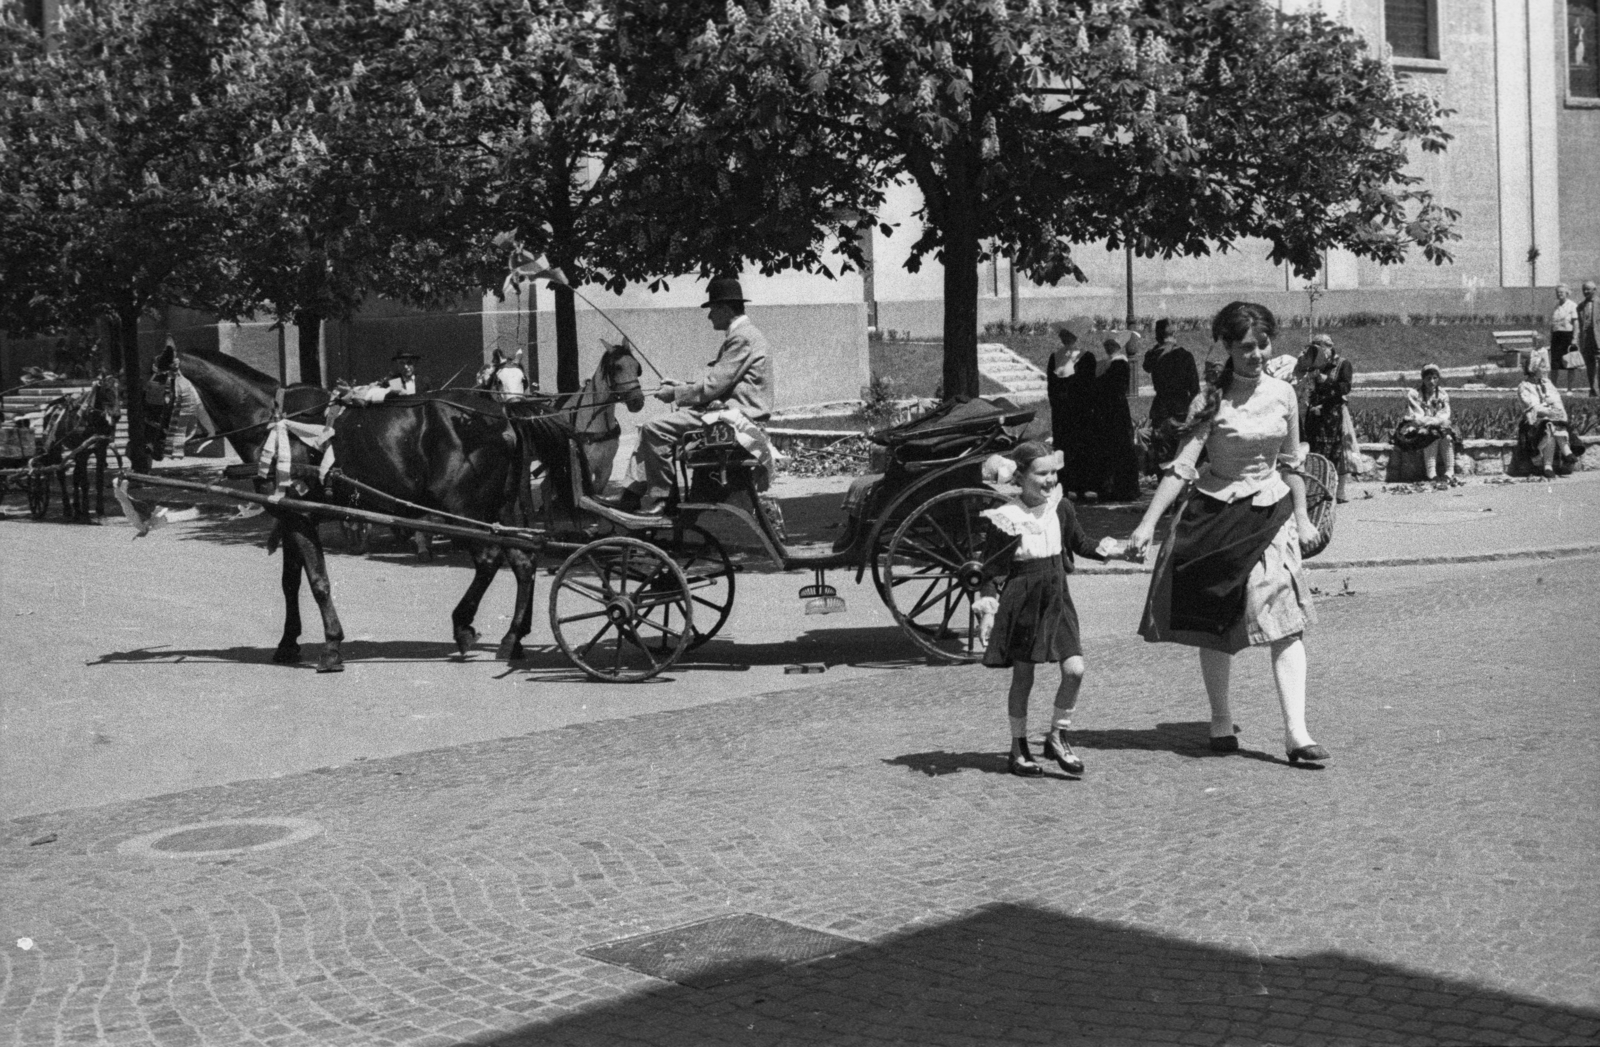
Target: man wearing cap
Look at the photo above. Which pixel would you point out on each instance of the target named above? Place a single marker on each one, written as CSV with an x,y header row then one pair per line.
x,y
740,376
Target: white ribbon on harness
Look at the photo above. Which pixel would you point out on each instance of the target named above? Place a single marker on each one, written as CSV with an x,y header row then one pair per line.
x,y
278,451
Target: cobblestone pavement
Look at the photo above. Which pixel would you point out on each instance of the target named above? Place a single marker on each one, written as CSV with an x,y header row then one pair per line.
x,y
1434,883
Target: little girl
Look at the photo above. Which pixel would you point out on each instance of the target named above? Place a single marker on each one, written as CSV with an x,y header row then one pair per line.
x,y
1033,619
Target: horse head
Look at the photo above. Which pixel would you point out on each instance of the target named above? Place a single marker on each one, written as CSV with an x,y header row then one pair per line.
x,y
504,377
621,370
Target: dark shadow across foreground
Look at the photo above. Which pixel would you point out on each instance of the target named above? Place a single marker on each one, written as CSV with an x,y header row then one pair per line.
x,y
1016,974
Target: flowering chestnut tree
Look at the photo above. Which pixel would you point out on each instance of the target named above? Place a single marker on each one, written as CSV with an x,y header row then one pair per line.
x,y
111,147
1031,126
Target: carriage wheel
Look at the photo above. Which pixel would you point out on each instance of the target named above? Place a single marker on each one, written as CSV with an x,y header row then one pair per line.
x,y
934,568
620,610
38,496
709,573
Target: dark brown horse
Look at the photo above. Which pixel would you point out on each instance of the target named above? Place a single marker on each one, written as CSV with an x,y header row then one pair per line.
x,y
76,427
457,454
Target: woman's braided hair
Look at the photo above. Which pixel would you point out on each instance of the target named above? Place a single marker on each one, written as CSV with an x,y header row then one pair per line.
x,y
1234,322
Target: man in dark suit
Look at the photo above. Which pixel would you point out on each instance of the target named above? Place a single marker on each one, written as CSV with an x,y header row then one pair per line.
x,y
740,377
1177,382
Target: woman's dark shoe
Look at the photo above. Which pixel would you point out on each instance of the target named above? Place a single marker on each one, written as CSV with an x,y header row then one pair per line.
x,y
1312,753
1021,762
1225,743
1058,749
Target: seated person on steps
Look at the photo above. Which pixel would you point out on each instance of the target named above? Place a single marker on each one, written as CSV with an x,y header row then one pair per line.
x,y
740,377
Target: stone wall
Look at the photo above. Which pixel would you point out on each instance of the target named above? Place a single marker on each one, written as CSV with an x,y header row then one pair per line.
x,y
1475,458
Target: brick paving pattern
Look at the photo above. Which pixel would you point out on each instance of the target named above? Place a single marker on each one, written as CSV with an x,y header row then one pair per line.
x,y
1435,883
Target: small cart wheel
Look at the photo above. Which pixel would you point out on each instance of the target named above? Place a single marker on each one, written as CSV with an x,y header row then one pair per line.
x,y
710,576
38,496
620,610
934,568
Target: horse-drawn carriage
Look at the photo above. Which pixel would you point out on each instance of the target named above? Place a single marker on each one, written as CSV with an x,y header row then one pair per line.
x,y
632,593
641,591
75,422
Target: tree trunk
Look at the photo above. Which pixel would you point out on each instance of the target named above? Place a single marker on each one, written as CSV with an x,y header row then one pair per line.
x,y
133,387
567,380
309,325
960,236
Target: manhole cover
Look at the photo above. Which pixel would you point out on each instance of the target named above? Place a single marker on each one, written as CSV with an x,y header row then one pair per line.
x,y
720,950
223,837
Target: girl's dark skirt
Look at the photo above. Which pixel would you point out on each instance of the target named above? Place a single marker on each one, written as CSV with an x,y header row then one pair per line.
x,y
1036,621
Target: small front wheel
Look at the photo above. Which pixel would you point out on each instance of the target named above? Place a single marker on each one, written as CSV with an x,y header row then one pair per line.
x,y
621,610
933,569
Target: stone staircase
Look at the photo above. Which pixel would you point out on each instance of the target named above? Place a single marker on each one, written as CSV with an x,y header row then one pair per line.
x,y
34,399
1021,379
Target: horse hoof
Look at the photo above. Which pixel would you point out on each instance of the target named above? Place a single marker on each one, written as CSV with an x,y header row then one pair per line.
x,y
330,663
465,638
510,651
287,654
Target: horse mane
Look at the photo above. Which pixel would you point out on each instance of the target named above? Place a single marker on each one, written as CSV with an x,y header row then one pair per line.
x,y
234,366
550,435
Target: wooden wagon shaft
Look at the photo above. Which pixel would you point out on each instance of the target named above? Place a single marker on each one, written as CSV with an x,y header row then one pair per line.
x,y
520,541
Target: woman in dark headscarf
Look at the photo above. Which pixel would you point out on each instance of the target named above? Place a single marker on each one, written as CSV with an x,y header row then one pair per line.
x,y
1327,379
1074,422
1119,458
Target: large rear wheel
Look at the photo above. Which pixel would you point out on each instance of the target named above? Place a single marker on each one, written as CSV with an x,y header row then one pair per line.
x,y
709,572
620,610
934,568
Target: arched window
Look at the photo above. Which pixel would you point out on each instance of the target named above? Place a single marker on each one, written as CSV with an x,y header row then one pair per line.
x,y
1412,28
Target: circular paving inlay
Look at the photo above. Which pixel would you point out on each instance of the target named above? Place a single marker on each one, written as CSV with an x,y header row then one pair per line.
x,y
222,837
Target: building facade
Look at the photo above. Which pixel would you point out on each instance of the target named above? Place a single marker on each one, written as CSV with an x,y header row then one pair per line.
x,y
1523,170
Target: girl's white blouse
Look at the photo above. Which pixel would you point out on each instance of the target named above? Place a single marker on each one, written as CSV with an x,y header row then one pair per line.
x,y
1245,444
1038,526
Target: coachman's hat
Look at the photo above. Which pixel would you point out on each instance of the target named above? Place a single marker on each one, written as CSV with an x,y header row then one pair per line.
x,y
403,355
724,289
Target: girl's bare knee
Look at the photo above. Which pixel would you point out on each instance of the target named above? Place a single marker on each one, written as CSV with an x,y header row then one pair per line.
x,y
1073,667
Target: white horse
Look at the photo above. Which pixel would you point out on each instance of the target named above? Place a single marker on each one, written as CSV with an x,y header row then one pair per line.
x,y
591,411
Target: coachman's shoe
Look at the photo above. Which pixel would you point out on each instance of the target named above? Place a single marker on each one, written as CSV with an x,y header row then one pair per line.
x,y
1057,748
627,500
1021,762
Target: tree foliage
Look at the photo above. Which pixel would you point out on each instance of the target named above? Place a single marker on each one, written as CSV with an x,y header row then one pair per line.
x,y
1032,126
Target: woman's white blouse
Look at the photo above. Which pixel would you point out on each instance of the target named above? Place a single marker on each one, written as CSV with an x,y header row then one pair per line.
x,y
1038,526
1245,444
1542,394
1417,409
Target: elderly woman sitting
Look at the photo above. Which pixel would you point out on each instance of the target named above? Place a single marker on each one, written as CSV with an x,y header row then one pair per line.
x,y
1427,427
1543,432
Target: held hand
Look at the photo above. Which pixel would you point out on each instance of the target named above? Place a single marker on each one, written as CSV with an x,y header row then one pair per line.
x,y
1139,543
985,607
1308,532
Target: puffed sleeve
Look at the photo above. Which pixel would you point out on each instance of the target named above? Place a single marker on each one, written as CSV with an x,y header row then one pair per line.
x,y
1444,408
1290,454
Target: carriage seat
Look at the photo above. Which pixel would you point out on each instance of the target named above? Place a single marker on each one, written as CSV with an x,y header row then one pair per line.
x,y
716,446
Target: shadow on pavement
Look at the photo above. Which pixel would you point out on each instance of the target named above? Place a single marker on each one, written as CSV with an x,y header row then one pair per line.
x,y
1015,973
352,650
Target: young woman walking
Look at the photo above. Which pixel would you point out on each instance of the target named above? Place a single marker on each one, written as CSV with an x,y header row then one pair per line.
x,y
1228,576
1033,620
